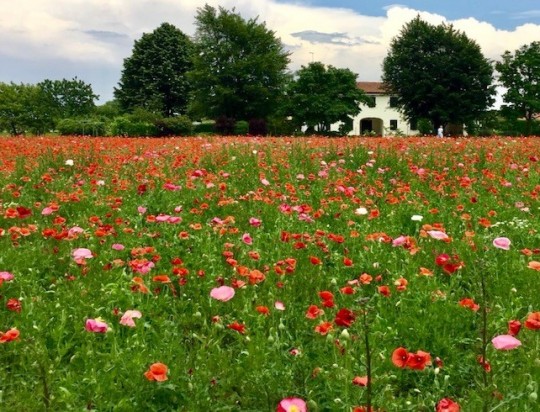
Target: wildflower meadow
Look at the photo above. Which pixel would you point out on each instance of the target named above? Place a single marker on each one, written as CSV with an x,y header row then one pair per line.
x,y
269,274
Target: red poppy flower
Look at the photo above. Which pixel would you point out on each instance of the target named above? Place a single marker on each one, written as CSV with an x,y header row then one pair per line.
x,y
360,380
418,360
447,405
314,312
514,326
9,336
323,328
400,357
240,328
533,321
469,303
344,318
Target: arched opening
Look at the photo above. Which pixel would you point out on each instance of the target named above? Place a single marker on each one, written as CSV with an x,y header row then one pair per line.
x,y
371,125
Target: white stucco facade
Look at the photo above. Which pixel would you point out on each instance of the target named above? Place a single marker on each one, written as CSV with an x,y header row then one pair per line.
x,y
381,119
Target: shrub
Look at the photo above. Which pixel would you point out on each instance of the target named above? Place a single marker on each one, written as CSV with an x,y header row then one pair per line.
x,y
81,127
124,126
258,127
241,127
204,127
425,126
280,126
174,126
224,125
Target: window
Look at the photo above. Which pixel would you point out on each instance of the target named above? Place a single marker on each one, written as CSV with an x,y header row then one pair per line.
x,y
371,101
393,124
393,101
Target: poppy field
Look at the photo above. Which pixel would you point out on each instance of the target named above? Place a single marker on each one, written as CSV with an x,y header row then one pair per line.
x,y
262,274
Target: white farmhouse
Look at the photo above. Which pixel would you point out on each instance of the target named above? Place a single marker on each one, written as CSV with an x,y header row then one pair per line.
x,y
380,117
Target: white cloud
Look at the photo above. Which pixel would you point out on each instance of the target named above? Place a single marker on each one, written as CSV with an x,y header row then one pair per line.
x,y
100,33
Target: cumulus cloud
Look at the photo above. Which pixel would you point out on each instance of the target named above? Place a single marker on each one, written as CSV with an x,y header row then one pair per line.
x,y
94,36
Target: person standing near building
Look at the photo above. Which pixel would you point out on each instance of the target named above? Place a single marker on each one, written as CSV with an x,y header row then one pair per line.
x,y
440,132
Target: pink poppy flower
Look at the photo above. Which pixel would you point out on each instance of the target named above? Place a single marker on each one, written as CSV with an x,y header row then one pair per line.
x,y
265,182
141,210
5,276
253,221
96,326
292,405
47,211
502,243
247,239
75,230
80,254
223,293
399,241
437,234
279,305
505,342
118,246
128,316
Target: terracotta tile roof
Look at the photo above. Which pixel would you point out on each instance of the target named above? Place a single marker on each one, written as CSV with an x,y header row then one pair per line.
x,y
372,87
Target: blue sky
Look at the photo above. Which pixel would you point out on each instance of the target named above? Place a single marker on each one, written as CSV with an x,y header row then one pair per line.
x,y
56,39
503,14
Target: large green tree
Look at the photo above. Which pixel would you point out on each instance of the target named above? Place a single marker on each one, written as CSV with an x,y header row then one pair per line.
x,y
239,68
519,73
154,76
320,96
438,73
25,108
70,98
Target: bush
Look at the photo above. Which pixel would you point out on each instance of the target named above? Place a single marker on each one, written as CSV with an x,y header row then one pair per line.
x,y
225,125
124,126
174,126
81,127
425,127
241,127
204,127
281,126
258,127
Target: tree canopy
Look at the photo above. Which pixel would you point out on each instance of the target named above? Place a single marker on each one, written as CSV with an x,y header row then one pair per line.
x,y
519,73
438,73
25,108
239,67
154,76
70,98
320,96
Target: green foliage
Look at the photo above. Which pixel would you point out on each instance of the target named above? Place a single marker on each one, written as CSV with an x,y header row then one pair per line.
x,y
519,73
241,127
108,109
321,96
258,127
70,98
281,126
25,108
82,127
129,127
154,76
174,126
438,73
425,127
239,67
204,127
225,126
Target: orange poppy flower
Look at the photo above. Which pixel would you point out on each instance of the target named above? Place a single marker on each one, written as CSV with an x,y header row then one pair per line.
x,y
157,372
9,336
533,321
400,357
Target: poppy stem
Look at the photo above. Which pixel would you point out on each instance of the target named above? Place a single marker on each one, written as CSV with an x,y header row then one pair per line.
x,y
368,358
484,327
